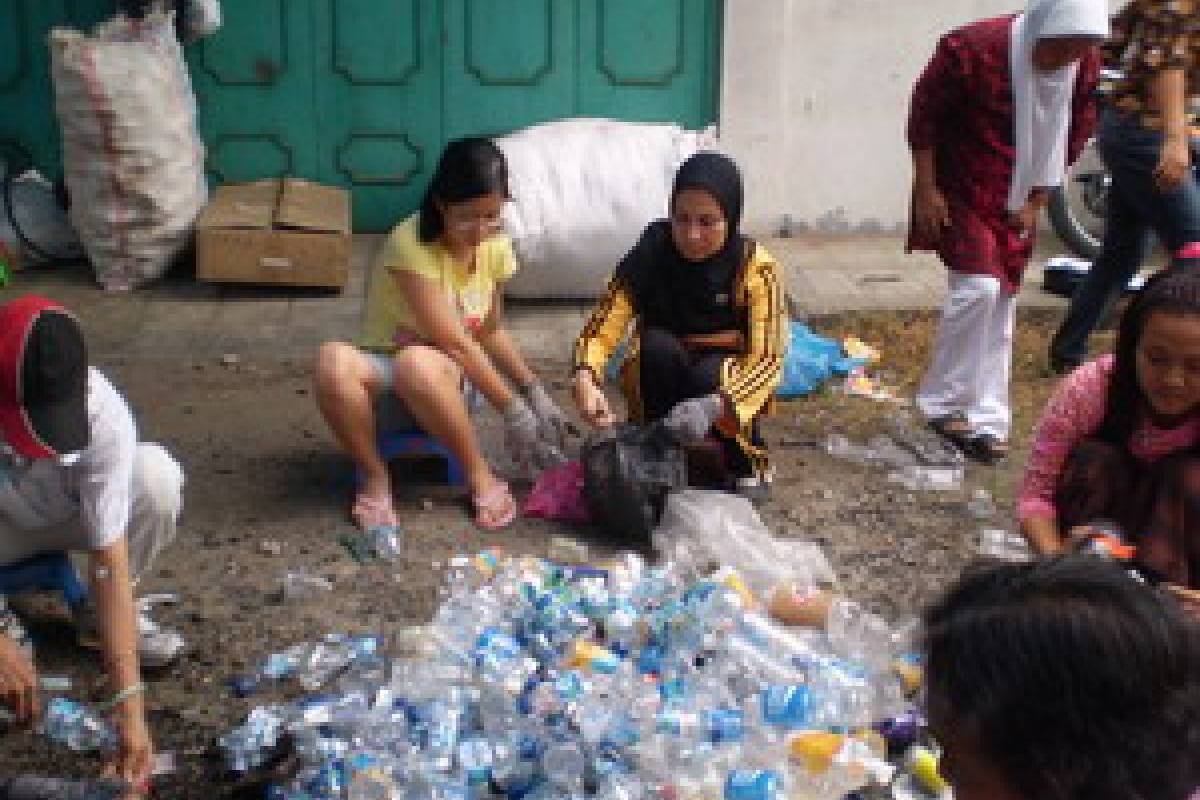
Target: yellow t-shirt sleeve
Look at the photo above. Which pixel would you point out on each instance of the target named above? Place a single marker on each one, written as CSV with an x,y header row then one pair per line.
x,y
503,260
404,252
604,330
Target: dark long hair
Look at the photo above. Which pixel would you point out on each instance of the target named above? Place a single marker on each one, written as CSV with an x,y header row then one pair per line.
x,y
1077,681
469,168
1174,291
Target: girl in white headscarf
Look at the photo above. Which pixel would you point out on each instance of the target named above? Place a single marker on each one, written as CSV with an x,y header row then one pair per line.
x,y
997,116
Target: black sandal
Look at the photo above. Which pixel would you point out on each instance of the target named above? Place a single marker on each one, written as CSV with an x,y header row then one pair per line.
x,y
986,448
954,428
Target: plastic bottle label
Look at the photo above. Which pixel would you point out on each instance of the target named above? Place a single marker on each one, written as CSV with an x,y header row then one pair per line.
x,y
787,706
745,784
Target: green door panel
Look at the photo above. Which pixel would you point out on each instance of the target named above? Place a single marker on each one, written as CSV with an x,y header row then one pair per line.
x,y
508,64
378,102
648,61
254,89
363,93
27,121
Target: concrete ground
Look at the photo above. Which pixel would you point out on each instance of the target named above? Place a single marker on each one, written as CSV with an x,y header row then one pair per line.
x,y
181,318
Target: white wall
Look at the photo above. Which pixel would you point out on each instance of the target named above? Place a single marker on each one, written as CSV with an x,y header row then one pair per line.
x,y
814,97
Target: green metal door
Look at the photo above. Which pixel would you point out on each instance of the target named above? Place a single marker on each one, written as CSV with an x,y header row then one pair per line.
x,y
378,106
27,121
363,93
254,88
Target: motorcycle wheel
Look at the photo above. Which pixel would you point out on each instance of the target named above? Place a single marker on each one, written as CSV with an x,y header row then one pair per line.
x,y
1076,208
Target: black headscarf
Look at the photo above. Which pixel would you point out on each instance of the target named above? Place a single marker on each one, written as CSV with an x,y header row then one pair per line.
x,y
682,296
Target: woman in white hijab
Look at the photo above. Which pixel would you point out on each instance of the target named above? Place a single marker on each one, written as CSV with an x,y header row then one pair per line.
x,y
1002,109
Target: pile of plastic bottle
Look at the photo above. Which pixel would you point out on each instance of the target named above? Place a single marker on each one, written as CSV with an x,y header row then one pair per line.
x,y
618,681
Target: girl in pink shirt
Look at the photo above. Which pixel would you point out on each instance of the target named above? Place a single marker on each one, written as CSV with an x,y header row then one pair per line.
x,y
1118,440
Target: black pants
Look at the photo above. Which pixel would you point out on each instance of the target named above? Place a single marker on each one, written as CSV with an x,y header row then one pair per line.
x,y
1157,506
670,374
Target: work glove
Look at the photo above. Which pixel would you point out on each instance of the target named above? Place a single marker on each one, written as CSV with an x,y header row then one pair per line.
x,y
552,422
523,437
691,420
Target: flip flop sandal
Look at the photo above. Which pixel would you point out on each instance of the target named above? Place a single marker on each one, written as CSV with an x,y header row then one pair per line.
x,y
986,448
954,428
373,513
499,504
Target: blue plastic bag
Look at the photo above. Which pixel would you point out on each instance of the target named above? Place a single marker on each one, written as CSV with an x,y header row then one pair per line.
x,y
811,360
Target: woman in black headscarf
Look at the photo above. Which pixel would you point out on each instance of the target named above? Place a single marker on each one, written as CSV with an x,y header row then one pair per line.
x,y
706,353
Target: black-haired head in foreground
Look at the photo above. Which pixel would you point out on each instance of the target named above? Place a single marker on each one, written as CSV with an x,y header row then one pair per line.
x,y
469,169
1063,679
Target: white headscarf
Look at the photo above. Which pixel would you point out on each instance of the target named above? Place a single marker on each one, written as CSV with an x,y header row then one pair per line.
x,y
1043,99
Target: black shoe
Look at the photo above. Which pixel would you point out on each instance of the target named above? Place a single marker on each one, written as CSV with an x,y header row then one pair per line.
x,y
1061,365
756,489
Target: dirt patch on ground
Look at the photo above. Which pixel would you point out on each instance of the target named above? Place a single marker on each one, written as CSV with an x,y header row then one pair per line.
x,y
267,492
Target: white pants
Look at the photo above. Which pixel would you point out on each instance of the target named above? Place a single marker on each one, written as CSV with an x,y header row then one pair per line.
x,y
156,499
972,357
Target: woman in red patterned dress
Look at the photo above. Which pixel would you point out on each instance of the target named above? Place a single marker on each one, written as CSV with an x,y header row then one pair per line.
x,y
1000,111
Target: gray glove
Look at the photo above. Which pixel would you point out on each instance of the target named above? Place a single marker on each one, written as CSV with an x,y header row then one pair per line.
x,y
552,422
523,437
691,420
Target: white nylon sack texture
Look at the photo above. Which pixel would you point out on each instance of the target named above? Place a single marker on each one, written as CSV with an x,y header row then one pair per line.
x,y
583,191
132,155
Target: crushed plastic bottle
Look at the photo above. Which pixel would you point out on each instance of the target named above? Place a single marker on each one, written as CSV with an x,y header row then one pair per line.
x,y
1003,545
928,479
302,585
839,446
980,505
76,726
386,542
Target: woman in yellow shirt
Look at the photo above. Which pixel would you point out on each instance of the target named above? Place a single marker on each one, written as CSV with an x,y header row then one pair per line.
x,y
708,325
433,341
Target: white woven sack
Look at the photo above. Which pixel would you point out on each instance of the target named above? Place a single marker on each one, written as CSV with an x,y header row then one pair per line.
x,y
131,151
583,191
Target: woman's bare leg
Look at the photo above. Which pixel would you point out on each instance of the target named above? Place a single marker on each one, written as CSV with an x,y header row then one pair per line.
x,y
430,386
344,382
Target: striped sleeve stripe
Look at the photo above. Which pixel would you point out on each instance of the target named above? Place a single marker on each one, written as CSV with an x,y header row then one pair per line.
x,y
769,361
596,323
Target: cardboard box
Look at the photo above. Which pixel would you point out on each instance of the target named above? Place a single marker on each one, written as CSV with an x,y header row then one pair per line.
x,y
287,231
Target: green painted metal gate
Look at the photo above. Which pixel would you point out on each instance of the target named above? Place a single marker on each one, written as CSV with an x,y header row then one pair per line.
x,y
363,93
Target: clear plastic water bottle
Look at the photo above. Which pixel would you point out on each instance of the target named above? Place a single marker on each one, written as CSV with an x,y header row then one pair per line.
x,y
251,744
564,765
1003,545
76,726
928,479
981,506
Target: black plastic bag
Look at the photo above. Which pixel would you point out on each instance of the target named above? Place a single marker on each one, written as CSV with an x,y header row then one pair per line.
x,y
628,474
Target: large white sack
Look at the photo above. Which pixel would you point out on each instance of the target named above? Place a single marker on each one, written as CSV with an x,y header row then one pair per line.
x,y
131,151
583,191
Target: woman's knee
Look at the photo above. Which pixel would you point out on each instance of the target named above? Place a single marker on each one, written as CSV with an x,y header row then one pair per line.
x,y
420,370
335,362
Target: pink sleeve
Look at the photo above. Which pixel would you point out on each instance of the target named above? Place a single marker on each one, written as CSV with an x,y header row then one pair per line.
x,y
1074,413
